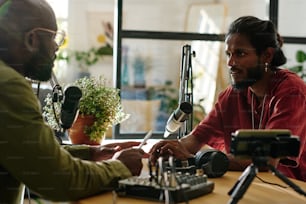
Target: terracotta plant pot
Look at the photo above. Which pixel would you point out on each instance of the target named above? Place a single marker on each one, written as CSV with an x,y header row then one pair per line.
x,y
76,132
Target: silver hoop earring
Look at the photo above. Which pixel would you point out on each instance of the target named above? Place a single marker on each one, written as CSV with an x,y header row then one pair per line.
x,y
266,66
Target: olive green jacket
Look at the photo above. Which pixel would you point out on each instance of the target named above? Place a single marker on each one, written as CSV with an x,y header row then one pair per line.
x,y
30,155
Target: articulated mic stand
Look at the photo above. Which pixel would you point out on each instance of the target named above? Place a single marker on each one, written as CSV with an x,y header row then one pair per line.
x,y
246,178
186,88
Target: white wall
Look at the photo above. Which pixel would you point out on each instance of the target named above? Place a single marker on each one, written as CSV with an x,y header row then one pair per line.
x,y
78,29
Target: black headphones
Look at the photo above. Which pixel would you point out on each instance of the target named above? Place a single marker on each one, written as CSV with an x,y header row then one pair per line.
x,y
213,162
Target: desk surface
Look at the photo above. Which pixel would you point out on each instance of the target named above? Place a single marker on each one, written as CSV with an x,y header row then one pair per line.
x,y
258,192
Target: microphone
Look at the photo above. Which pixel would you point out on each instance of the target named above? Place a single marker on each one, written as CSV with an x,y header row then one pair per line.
x,y
177,118
70,106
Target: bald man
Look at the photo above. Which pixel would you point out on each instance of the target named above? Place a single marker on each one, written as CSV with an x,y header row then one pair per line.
x,y
29,153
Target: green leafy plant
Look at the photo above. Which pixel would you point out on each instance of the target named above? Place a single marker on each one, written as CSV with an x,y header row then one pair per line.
x,y
167,94
98,100
169,102
51,112
299,69
85,58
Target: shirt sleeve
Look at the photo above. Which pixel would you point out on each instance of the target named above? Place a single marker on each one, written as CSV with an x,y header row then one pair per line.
x,y
31,154
79,151
210,130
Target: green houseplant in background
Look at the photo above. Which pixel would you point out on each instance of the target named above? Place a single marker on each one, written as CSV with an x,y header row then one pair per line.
x,y
169,102
85,58
299,69
103,46
98,102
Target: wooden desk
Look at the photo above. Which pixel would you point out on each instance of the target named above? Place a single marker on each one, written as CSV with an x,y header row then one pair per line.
x,y
258,192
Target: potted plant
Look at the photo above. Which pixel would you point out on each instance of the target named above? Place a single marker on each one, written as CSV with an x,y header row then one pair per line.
x,y
99,105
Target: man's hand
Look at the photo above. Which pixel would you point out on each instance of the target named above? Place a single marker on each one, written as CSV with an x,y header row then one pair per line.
x,y
132,159
166,148
107,151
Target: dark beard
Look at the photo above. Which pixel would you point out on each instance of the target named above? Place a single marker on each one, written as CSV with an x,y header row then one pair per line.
x,y
39,67
253,75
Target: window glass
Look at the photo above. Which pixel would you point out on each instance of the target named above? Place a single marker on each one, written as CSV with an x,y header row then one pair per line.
x,y
291,17
150,80
174,16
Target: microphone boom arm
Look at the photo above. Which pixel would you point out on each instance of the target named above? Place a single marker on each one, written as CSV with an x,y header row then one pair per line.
x,y
186,87
181,116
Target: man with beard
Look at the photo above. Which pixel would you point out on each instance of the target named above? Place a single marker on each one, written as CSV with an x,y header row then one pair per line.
x,y
29,153
262,96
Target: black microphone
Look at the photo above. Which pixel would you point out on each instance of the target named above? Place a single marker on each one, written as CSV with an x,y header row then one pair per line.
x,y
70,106
177,118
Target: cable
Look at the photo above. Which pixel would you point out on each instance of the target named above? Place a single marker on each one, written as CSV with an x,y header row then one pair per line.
x,y
270,183
28,194
114,197
281,177
261,179
287,181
